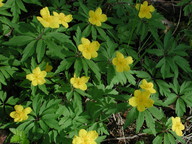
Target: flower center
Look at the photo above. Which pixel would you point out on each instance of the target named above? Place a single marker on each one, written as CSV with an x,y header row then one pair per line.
x,y
145,9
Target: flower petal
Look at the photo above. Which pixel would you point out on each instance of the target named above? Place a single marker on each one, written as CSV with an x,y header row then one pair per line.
x,y
92,135
98,11
18,107
27,110
133,102
13,114
82,133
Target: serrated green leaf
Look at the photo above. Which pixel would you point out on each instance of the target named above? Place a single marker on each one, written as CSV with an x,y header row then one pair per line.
x,y
19,40
139,121
131,116
29,50
180,107
158,139
150,122
40,50
157,113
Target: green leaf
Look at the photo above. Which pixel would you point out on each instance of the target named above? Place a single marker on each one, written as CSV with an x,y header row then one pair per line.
x,y
180,107
52,123
86,31
93,66
94,32
158,114
139,121
187,98
78,66
150,122
158,139
61,37
77,103
85,66
43,126
131,116
130,78
29,50
43,88
19,40
65,64
163,87
170,99
171,138
182,63
166,139
110,74
21,5
77,36
2,79
157,52
102,33
40,50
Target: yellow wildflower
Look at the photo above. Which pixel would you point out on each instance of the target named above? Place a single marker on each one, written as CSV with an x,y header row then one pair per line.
x,y
1,3
85,137
141,100
20,114
177,126
121,63
47,20
79,83
48,68
147,86
89,49
63,19
145,10
37,77
96,17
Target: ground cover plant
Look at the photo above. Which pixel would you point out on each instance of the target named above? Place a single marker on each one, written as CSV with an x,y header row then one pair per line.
x,y
95,71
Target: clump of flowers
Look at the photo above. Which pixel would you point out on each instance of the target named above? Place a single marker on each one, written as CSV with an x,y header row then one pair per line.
x,y
85,137
53,21
79,82
141,100
89,49
148,86
20,114
1,3
177,126
63,19
121,63
145,10
37,76
96,17
47,20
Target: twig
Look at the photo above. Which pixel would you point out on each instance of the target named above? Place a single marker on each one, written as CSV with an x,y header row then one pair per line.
x,y
178,21
127,138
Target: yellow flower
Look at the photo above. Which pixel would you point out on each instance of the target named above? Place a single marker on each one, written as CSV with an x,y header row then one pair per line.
x,y
96,17
177,126
145,10
121,63
1,3
37,77
20,114
48,68
85,137
79,83
63,19
147,86
47,20
89,49
141,100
